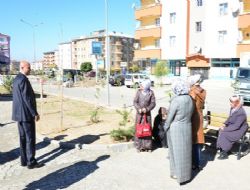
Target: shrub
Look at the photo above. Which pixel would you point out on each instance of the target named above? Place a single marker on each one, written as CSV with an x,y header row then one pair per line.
x,y
123,134
125,116
94,115
8,83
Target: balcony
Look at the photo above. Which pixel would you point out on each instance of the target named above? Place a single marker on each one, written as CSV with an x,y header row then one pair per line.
x,y
148,10
244,47
148,53
244,20
148,31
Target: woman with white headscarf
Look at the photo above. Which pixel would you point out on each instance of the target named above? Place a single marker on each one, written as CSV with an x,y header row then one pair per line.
x,y
144,102
179,132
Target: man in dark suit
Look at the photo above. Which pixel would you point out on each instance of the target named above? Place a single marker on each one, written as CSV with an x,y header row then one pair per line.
x,y
25,113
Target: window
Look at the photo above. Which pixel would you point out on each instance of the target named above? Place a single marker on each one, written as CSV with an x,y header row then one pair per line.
x,y
172,41
157,43
223,9
172,18
198,26
157,22
222,36
199,3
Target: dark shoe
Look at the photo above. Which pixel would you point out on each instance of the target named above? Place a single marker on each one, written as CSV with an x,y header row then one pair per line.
x,y
199,168
223,156
35,165
23,165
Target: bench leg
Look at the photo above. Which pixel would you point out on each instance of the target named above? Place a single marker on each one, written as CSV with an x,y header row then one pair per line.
x,y
239,152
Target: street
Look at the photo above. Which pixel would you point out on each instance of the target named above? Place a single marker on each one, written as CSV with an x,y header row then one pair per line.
x,y
218,94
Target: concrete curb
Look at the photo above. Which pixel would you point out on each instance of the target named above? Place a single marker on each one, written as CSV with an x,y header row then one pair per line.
x,y
117,147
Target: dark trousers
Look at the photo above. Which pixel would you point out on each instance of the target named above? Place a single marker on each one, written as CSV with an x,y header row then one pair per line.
x,y
27,134
196,154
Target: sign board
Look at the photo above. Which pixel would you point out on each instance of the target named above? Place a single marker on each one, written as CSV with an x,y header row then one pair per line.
x,y
124,64
96,48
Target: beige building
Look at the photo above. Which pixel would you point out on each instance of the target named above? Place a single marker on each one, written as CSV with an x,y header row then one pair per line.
x,y
121,50
49,59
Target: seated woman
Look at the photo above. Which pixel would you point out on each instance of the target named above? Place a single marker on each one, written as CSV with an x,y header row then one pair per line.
x,y
234,127
159,134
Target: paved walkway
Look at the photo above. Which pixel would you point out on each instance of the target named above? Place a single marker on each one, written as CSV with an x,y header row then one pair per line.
x,y
102,170
129,170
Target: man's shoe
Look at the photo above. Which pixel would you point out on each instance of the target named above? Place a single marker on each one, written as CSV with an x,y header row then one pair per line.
x,y
23,165
35,165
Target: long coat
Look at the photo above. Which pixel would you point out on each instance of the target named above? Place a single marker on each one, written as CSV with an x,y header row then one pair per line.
x,y
236,126
198,94
24,101
179,135
144,101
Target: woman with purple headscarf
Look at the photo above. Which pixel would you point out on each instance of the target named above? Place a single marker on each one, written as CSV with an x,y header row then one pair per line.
x,y
144,102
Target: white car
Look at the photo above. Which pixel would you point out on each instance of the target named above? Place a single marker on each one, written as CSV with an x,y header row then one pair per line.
x,y
134,79
68,84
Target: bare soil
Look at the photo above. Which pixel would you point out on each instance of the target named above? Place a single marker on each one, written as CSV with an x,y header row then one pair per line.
x,y
73,124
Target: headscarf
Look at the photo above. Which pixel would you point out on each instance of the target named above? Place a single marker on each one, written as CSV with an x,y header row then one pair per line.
x,y
180,87
146,84
194,79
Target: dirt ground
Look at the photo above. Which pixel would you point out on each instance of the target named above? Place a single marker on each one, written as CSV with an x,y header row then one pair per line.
x,y
74,124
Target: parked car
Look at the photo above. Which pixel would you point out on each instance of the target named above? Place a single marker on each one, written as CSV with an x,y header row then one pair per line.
x,y
68,84
90,74
134,80
117,80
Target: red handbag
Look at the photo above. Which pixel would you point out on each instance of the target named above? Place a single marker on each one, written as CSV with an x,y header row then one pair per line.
x,y
143,129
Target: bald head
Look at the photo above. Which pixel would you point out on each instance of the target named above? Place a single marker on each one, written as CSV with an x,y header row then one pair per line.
x,y
25,67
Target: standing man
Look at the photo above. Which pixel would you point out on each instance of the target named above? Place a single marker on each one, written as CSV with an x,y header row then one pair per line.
x,y
25,113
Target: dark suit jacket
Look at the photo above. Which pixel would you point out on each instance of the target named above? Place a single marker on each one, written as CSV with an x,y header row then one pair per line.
x,y
24,101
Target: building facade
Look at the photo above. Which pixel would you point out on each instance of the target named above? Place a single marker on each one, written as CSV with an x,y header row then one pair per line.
x,y
148,33
121,50
65,55
200,36
243,47
4,53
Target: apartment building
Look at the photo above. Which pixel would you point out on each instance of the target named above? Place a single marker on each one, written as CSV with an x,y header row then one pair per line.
x,y
4,53
65,55
149,33
200,36
174,34
121,50
213,37
49,59
243,47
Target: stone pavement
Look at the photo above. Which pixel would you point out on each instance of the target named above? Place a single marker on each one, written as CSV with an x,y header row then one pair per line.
x,y
100,170
105,170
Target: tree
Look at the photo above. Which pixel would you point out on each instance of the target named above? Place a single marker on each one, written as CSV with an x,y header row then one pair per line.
x,y
161,69
86,67
134,68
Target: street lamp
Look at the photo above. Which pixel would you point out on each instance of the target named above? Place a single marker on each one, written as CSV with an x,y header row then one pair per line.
x,y
107,51
33,26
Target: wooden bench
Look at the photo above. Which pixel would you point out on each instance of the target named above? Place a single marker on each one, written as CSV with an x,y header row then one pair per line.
x,y
213,123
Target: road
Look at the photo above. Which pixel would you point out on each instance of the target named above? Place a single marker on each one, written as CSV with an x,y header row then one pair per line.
x,y
218,93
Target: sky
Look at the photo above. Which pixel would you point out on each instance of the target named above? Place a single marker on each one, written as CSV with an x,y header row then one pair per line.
x,y
60,21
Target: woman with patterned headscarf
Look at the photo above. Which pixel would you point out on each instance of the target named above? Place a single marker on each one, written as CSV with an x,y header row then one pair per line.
x,y
179,132
144,102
